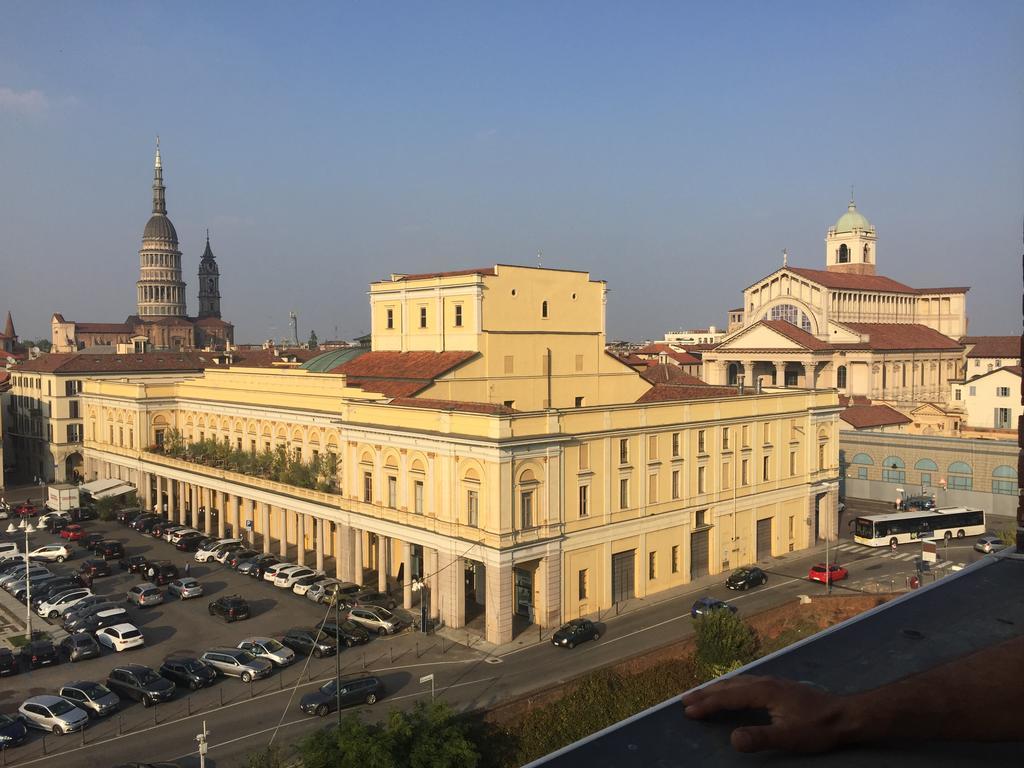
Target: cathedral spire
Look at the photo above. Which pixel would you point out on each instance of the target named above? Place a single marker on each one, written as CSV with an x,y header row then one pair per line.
x,y
159,204
9,326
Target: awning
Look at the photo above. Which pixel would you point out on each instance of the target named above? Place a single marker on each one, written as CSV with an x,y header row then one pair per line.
x,y
96,486
117,490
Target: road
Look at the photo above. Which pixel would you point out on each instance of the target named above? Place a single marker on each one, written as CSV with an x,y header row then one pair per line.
x,y
241,718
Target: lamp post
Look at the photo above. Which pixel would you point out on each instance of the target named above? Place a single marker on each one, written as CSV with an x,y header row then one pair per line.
x,y
27,528
417,586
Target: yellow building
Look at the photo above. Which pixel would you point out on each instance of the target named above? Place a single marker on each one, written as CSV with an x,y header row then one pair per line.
x,y
489,446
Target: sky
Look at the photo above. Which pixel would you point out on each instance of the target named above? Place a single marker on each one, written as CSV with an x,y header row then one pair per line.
x,y
672,149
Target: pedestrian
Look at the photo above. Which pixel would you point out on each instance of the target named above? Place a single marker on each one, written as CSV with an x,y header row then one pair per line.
x,y
188,568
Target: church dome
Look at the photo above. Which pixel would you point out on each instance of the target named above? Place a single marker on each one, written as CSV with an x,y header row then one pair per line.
x,y
159,227
852,219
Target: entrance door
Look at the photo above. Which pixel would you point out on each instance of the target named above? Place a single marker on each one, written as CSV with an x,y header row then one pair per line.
x,y
524,592
764,539
817,517
623,570
699,554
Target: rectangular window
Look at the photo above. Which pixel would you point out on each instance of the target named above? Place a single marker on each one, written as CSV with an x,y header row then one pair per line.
x,y
675,558
890,475
509,364
458,315
579,401
623,451
764,468
526,509
296,451
368,486
584,456
972,391
652,448
131,438
766,432
120,435
74,433
700,518
1002,391
252,446
702,480
391,319
726,475
726,437
862,473
392,491
675,445
238,444
961,482
675,483
423,317
821,456
473,508
73,409
652,489
584,584
1002,418
745,472
701,444
1008,487
792,463
584,500
623,493
746,435
652,565
110,434
956,393
417,491
926,478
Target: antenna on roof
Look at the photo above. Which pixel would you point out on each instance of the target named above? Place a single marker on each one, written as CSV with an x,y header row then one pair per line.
x,y
851,193
540,255
785,257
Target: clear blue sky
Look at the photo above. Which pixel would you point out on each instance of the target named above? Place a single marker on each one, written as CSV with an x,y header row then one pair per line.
x,y
671,149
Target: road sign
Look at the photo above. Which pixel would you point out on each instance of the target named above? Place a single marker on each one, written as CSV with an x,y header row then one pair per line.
x,y
429,679
928,553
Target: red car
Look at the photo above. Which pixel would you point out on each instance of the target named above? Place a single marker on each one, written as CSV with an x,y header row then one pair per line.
x,y
833,573
26,510
73,533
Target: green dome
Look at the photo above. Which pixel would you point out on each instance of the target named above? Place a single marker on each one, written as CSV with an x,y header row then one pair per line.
x,y
852,219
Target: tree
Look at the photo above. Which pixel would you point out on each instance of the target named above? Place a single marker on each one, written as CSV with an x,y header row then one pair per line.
x,y
724,643
314,342
43,344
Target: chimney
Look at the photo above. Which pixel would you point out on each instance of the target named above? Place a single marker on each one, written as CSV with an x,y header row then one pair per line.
x,y
739,384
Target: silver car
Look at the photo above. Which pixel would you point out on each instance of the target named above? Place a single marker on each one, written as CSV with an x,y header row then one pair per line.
x,y
53,713
376,619
989,544
96,699
145,594
270,649
235,662
185,588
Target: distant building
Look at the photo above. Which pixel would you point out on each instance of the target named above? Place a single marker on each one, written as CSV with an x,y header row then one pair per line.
x,y
161,321
711,335
986,353
990,402
10,349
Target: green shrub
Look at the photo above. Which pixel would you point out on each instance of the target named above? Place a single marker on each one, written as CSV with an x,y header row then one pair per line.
x,y
724,643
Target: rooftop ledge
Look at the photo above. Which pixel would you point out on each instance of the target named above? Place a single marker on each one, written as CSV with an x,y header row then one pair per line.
x,y
962,613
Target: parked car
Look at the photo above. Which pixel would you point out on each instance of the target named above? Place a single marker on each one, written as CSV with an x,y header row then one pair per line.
x,y
39,653
74,620
373,597
188,672
376,619
47,517
284,569
13,731
147,524
109,549
236,662
95,698
8,662
204,555
189,542
323,701
134,681
185,588
301,586
161,572
26,510
50,553
989,544
287,579
707,605
269,574
320,590
269,649
120,637
53,713
90,541
347,632
833,573
144,595
134,563
259,571
78,514
230,608
54,587
110,617
20,574
575,632
745,578
95,568
56,524
176,535
128,514
79,647
73,532
250,563
238,556
51,607
917,503
309,641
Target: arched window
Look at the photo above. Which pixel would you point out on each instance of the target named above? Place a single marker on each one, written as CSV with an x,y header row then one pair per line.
x,y
791,315
733,374
1004,480
862,458
859,466
960,476
844,254
867,253
926,467
893,470
841,377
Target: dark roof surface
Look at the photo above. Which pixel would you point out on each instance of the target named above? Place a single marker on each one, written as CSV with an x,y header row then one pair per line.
x,y
865,416
85,362
400,374
886,336
993,346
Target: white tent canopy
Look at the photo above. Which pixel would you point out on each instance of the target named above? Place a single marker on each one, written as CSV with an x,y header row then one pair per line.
x,y
102,489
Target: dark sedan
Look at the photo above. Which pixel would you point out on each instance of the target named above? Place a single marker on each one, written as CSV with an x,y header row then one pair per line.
x,y
134,564
190,542
188,671
309,641
91,541
8,662
363,690
39,653
134,681
707,605
575,632
13,731
238,556
95,568
348,632
80,646
372,597
745,578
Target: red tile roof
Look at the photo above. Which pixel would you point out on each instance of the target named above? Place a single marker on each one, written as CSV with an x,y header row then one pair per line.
x,y
400,374
898,336
660,393
864,416
993,346
103,328
845,400
667,373
681,357
958,289
799,335
453,405
851,282
485,271
270,357
88,362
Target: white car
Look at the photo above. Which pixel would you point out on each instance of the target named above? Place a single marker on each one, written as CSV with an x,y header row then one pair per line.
x,y
271,573
206,555
317,591
302,586
270,649
19,574
50,553
53,713
57,604
175,536
42,520
120,637
286,579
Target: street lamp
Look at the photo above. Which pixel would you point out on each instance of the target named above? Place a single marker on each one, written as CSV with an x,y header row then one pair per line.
x,y
417,586
27,528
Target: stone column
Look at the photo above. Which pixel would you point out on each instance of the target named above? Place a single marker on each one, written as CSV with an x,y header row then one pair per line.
x,y
433,582
383,550
171,511
452,589
182,496
811,375
265,526
748,374
498,611
236,523
549,575
220,501
147,491
357,556
780,374
406,575
320,541
339,550
158,503
300,538
283,528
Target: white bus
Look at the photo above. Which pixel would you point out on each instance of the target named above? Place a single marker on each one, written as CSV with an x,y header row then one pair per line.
x,y
904,527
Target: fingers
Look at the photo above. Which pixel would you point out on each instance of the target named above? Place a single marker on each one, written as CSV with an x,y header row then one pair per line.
x,y
740,692
756,738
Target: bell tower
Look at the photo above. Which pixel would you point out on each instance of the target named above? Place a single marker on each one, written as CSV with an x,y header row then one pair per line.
x,y
850,244
209,283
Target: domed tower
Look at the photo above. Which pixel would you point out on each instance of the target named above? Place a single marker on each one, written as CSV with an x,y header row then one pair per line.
x,y
209,283
850,244
160,290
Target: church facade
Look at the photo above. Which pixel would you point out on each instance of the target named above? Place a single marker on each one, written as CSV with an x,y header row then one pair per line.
x,y
161,320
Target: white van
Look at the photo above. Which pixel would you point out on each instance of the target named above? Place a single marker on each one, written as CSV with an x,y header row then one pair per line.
x,y
9,550
206,554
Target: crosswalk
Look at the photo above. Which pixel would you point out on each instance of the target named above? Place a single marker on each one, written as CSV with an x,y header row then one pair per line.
x,y
907,557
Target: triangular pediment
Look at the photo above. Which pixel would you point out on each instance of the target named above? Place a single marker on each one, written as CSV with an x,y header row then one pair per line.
x,y
758,336
840,334
928,409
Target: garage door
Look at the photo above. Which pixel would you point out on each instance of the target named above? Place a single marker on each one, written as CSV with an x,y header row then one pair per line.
x,y
623,570
699,554
764,539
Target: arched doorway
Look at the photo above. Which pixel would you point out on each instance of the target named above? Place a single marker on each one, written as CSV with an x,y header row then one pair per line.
x,y
74,468
733,374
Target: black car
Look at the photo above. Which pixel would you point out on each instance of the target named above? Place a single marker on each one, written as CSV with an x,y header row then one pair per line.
x,y
160,572
135,681
188,671
141,518
78,622
57,524
78,514
95,568
575,632
13,730
80,646
147,525
348,632
707,605
309,641
238,556
109,549
373,597
262,567
108,617
53,587
190,542
8,663
134,563
39,653
362,690
127,515
230,608
90,540
745,578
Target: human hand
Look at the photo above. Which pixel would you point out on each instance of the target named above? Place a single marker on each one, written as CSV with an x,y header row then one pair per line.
x,y
803,718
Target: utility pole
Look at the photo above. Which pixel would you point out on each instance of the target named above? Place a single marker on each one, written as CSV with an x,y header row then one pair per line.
x,y
337,654
201,738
